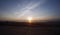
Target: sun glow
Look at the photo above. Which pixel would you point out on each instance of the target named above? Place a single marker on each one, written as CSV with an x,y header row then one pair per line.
x,y
29,19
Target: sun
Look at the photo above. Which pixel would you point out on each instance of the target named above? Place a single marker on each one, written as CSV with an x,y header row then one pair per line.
x,y
29,19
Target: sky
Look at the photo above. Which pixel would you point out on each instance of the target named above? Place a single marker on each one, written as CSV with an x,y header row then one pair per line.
x,y
37,9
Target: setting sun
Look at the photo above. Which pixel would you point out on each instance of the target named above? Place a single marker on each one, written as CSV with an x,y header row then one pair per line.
x,y
29,19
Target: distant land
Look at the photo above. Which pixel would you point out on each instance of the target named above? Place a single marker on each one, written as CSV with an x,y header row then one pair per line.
x,y
34,24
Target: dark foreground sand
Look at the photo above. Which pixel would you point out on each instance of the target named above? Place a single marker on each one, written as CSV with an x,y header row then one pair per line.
x,y
18,30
